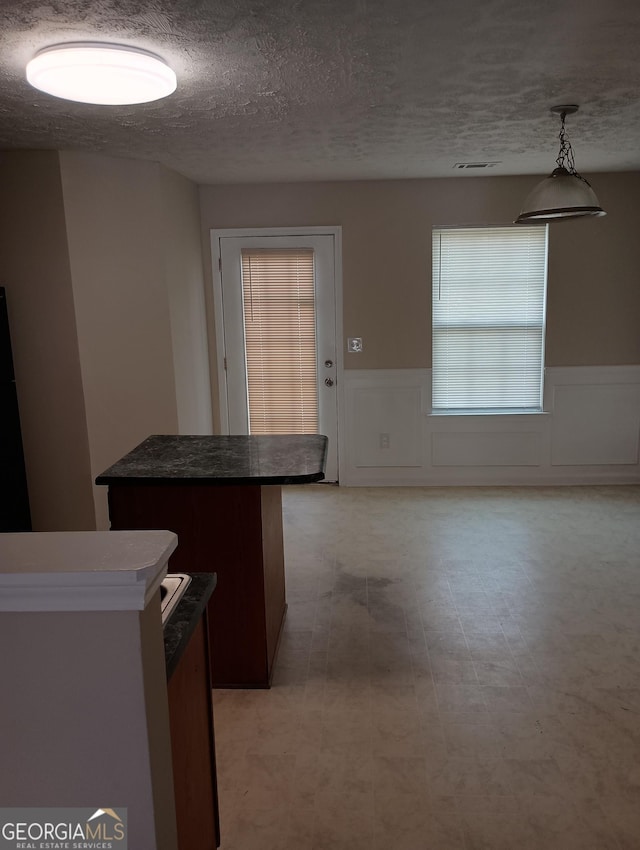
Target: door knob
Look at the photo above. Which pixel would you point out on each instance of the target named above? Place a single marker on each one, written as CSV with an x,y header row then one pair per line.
x,y
328,382
328,363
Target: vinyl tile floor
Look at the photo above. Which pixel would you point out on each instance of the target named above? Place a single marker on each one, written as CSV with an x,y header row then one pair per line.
x,y
459,670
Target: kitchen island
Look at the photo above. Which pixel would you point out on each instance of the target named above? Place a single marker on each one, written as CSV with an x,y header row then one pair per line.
x,y
222,496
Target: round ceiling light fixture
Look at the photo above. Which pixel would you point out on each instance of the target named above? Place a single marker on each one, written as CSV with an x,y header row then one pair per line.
x,y
93,72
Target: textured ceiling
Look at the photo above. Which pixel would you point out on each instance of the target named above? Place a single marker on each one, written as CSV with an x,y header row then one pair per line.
x,y
342,89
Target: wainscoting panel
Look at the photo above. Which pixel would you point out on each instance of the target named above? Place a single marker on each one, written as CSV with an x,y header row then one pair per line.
x,y
500,448
589,432
595,424
388,421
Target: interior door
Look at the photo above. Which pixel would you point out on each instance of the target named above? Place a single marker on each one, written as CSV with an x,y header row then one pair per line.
x,y
232,301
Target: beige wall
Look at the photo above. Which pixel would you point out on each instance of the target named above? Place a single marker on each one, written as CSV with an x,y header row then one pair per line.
x,y
594,296
102,262
115,231
102,270
185,288
593,293
34,268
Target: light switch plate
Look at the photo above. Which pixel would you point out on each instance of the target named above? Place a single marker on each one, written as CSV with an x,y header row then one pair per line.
x,y
354,344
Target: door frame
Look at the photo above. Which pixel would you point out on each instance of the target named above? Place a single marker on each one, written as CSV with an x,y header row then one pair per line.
x,y
218,233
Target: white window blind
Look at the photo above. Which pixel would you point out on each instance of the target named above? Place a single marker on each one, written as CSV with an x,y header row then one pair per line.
x,y
280,340
489,295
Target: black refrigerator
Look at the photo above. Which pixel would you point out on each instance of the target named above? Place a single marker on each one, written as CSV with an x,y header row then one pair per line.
x,y
14,498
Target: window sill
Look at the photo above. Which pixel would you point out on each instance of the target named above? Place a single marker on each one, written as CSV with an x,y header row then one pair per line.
x,y
501,412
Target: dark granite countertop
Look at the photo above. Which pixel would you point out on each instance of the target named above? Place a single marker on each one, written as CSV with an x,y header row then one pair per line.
x,y
185,616
167,459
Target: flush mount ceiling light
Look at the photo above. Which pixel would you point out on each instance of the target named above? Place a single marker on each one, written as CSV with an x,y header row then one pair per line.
x,y
565,193
92,72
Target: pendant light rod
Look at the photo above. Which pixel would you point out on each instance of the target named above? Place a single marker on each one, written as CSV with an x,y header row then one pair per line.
x,y
565,158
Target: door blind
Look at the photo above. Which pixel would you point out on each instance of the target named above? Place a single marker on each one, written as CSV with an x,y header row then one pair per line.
x,y
280,340
489,288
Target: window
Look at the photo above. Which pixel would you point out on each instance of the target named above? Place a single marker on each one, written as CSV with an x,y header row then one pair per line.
x,y
280,339
489,294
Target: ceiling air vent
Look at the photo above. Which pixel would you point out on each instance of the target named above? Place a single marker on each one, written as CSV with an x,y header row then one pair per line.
x,y
470,165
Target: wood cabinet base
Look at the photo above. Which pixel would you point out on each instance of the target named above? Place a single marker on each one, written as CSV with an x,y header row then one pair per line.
x,y
236,532
193,747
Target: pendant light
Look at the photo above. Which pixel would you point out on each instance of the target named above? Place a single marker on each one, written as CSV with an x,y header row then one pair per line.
x,y
565,193
94,72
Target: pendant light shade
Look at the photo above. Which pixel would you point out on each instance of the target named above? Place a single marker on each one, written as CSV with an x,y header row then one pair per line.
x,y
564,194
108,74
561,195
